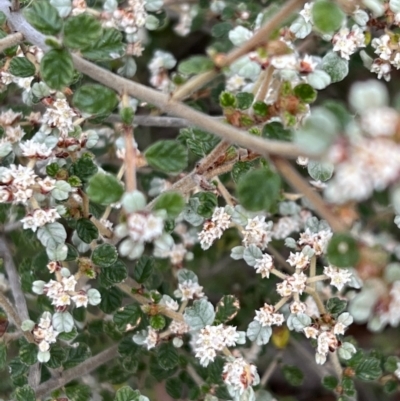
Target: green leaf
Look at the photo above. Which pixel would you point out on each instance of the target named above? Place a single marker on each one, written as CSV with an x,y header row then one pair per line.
x,y
157,322
244,100
390,386
110,42
105,255
221,29
197,141
335,66
111,299
391,364
195,65
77,355
128,348
167,356
28,352
68,336
130,314
113,274
44,17
199,315
81,30
86,230
320,171
125,393
24,393
57,69
293,375
368,369
3,355
305,93
84,167
343,250
143,269
260,108
104,189
227,99
258,190
17,368
227,308
95,99
172,202
327,16
208,202
78,392
276,131
57,356
174,387
330,382
348,387
72,253
21,67
335,306
239,169
167,155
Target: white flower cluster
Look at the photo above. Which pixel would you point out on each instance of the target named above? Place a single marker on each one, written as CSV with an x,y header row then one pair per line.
x,y
267,316
59,115
294,284
326,335
16,183
130,18
347,41
318,241
151,338
257,232
35,150
387,47
371,164
339,277
158,67
63,291
391,315
189,289
144,227
44,332
214,228
240,375
39,218
264,265
212,339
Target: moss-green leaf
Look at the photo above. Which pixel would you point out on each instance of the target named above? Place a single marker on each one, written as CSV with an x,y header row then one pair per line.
x,y
327,16
21,67
172,202
104,189
57,69
44,17
81,30
95,99
258,190
167,155
343,250
102,49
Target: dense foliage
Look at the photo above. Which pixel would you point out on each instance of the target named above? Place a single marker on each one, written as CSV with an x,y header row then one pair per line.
x,y
199,200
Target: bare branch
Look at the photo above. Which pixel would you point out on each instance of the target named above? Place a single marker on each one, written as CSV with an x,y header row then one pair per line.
x,y
11,40
162,101
78,371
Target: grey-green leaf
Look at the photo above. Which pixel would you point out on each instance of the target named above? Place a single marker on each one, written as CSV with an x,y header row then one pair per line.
x,y
21,67
167,155
81,30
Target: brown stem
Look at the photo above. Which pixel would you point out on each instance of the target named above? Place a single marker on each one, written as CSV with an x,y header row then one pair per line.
x,y
78,371
130,162
265,84
300,184
11,40
263,34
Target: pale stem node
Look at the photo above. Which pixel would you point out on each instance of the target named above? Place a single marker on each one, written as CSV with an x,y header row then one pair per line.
x,y
281,302
271,368
313,271
11,40
317,299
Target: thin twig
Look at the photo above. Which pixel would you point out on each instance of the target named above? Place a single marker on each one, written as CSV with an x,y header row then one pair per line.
x,y
263,34
271,368
78,371
160,100
195,83
11,40
300,184
210,159
130,160
265,84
